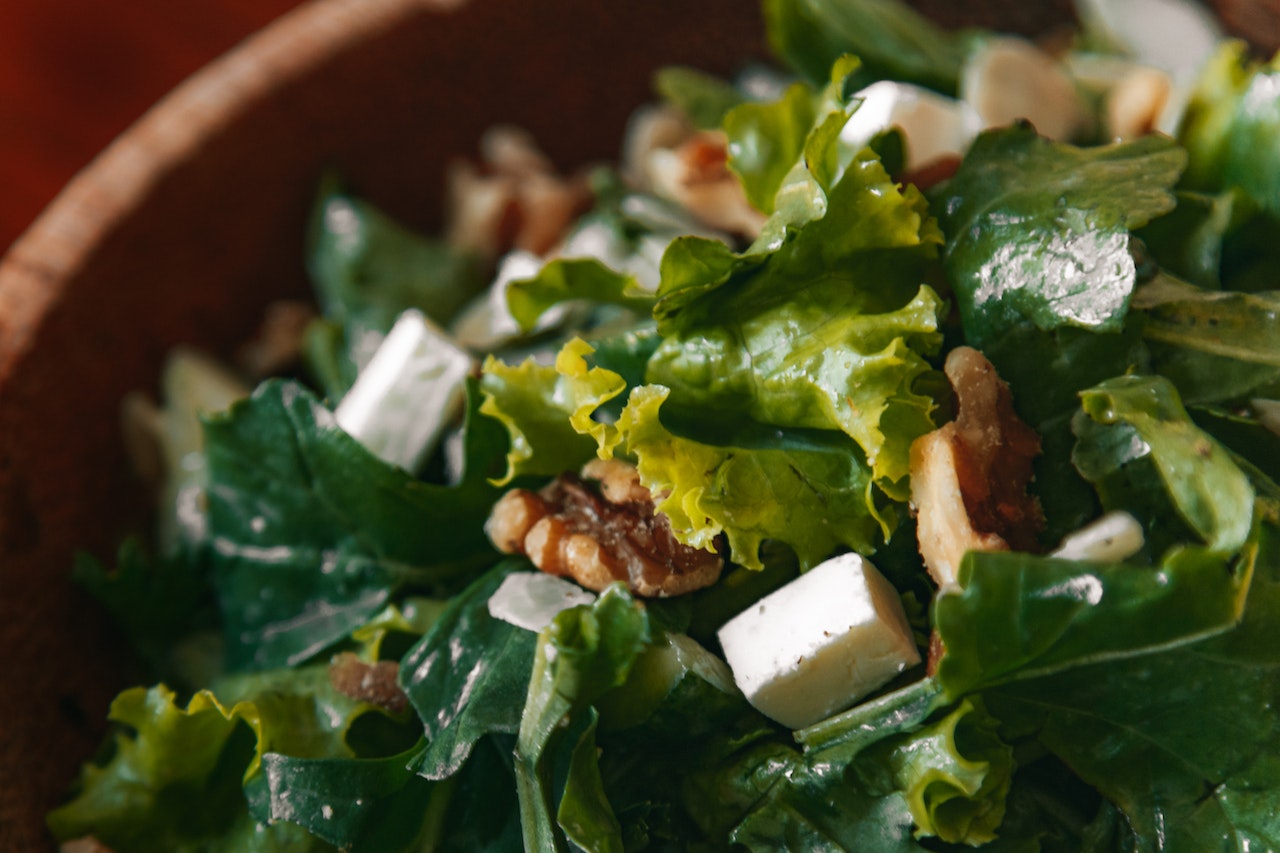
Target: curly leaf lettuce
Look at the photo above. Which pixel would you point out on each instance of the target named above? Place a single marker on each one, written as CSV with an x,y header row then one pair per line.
x,y
547,410
814,498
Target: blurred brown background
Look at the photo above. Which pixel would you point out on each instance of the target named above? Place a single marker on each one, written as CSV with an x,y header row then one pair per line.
x,y
75,73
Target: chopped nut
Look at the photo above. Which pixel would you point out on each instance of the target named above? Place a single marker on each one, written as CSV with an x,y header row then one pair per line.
x,y
619,481
375,683
597,538
1135,103
969,477
512,517
514,200
88,844
278,345
696,175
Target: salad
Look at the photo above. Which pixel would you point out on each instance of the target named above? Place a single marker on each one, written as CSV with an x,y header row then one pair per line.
x,y
883,456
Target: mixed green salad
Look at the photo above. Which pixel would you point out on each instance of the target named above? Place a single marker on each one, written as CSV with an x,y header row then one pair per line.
x,y
754,310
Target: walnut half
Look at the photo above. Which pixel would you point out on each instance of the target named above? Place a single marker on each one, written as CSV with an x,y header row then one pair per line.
x,y
969,478
600,535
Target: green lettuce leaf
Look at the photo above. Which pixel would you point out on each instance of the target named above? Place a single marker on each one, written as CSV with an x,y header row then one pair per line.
x,y
312,535
584,652
1183,742
1229,124
566,279
468,676
1038,231
703,99
174,779
833,356
547,410
356,804
894,40
366,269
955,774
1210,491
812,494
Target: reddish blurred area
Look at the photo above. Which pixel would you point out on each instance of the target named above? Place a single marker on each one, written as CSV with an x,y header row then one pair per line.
x,y
74,74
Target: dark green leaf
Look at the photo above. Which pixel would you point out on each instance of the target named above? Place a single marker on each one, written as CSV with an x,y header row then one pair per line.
x,y
892,39
468,676
312,534
1039,231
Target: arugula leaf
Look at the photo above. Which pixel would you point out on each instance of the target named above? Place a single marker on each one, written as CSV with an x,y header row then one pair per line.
x,y
1039,231
1210,492
467,677
894,40
1182,741
1017,615
312,535
584,652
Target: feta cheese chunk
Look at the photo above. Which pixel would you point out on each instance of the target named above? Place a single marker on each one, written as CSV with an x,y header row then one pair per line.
x,y
406,395
820,643
530,600
934,126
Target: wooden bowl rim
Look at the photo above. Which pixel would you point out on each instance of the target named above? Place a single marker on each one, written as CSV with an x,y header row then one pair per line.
x,y
44,262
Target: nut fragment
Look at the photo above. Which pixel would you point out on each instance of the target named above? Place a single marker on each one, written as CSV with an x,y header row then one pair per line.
x,y
513,200
375,683
599,537
969,477
696,175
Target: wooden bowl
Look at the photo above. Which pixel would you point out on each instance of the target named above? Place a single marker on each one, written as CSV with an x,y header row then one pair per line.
x,y
191,222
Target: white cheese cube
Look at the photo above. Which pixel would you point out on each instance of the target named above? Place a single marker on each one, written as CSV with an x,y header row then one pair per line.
x,y
530,600
818,644
408,393
934,126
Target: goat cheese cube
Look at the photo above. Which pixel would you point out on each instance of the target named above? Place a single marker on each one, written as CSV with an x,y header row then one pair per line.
x,y
820,643
530,600
407,394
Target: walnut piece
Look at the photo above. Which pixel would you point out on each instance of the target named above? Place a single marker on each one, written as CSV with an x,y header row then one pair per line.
x,y
969,478
375,683
599,536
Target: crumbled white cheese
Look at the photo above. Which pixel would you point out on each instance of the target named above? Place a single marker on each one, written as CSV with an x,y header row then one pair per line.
x,y
818,644
1110,538
407,394
934,126
530,600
